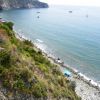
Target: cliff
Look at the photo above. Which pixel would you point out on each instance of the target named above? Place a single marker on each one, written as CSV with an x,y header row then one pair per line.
x,y
26,74
8,4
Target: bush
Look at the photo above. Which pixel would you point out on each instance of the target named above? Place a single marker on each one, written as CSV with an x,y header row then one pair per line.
x,y
56,71
27,42
61,81
30,50
39,90
43,68
1,69
40,59
9,24
14,40
19,84
5,58
26,74
40,52
57,94
6,26
6,83
1,40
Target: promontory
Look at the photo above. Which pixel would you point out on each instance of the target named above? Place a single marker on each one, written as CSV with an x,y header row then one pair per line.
x,y
9,4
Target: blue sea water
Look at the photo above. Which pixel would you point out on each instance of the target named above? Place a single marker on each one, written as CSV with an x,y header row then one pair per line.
x,y
73,37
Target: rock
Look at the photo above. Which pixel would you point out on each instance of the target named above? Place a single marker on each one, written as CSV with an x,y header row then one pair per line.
x,y
2,97
1,49
9,4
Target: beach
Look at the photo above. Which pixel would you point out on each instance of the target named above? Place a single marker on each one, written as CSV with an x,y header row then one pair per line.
x,y
87,91
85,88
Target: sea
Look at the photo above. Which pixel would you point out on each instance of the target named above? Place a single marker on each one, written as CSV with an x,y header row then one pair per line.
x,y
71,33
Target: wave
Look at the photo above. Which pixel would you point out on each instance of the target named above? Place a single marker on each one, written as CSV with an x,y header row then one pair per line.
x,y
38,40
89,81
40,45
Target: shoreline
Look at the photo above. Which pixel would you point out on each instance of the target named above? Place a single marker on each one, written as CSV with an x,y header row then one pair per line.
x,y
73,70
85,87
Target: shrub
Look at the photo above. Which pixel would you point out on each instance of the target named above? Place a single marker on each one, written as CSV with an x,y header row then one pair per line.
x,y
61,81
40,52
9,24
30,50
1,69
5,27
5,58
39,90
40,59
56,71
57,94
19,84
27,42
26,74
43,68
14,40
6,83
1,40
8,28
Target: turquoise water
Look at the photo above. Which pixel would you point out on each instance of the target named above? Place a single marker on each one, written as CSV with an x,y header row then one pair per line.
x,y
73,37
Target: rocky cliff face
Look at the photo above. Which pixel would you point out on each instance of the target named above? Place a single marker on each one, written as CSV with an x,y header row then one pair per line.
x,y
8,4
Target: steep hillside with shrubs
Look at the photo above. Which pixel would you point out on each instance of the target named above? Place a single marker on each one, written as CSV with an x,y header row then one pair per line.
x,y
26,74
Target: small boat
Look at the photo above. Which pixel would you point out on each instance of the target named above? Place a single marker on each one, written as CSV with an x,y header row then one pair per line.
x,y
38,12
70,11
87,16
38,16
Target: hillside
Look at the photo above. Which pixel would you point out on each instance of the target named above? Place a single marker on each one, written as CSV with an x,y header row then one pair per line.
x,y
26,74
8,4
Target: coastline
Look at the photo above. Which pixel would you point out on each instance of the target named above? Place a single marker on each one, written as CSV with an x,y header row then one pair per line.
x,y
86,88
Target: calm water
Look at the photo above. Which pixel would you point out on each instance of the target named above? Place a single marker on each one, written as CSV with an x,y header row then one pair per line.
x,y
73,37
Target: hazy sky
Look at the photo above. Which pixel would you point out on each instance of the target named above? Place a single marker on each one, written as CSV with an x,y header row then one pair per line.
x,y
74,2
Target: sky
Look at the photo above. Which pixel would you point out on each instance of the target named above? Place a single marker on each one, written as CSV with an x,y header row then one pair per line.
x,y
74,2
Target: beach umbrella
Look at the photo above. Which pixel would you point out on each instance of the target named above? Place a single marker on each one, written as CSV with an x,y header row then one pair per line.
x,y
67,73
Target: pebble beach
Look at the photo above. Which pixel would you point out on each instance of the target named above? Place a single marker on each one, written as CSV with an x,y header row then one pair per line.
x,y
84,89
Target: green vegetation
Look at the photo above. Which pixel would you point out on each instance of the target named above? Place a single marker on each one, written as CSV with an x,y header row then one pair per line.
x,y
5,58
24,69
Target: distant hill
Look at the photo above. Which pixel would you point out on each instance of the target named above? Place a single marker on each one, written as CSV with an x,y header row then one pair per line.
x,y
8,4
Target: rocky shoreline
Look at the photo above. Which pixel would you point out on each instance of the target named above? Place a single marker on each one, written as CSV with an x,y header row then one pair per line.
x,y
85,87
